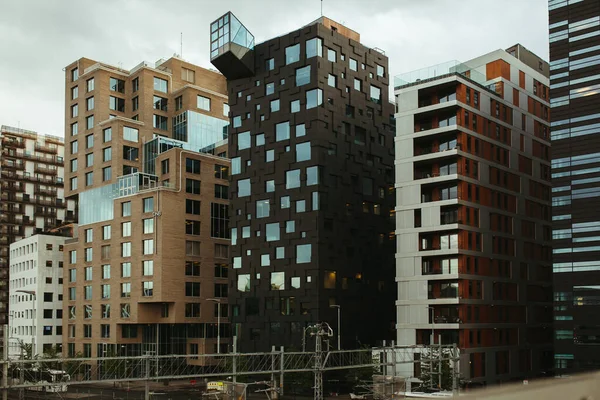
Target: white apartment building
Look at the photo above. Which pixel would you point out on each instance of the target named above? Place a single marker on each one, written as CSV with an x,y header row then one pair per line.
x,y
36,291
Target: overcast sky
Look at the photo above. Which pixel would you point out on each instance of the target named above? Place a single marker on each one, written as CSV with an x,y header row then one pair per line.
x,y
38,38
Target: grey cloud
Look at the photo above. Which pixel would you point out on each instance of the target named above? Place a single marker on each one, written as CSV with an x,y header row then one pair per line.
x,y
40,37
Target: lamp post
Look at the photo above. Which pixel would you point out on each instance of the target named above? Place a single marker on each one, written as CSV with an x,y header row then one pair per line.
x,y
339,342
218,302
32,294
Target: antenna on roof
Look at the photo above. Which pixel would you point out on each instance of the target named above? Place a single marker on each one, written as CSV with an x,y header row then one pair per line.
x,y
321,8
181,46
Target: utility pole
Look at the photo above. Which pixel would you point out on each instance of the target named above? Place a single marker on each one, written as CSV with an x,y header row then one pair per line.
x,y
281,369
319,331
273,381
234,359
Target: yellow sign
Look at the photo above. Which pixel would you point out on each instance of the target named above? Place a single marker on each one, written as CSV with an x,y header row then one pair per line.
x,y
214,385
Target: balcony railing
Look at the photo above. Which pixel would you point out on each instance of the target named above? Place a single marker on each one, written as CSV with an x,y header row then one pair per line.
x,y
12,164
43,169
47,159
46,148
31,178
45,191
12,142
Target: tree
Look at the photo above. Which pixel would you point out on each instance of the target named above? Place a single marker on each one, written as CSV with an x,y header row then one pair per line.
x,y
51,353
430,364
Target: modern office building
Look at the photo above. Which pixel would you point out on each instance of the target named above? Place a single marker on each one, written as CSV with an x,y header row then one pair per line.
x,y
36,294
473,213
31,193
574,88
147,269
311,144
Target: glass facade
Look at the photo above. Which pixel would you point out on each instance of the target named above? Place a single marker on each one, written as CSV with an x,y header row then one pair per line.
x,y
228,29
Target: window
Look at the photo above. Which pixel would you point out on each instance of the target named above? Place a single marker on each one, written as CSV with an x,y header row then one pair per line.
x,y
292,54
89,122
192,248
72,275
106,271
312,176
219,221
160,85
270,64
243,283
272,232
282,131
353,64
89,160
126,270
277,280
300,206
90,84
105,289
292,179
107,154
88,254
225,110
74,147
259,139
290,226
89,235
74,92
192,268
147,289
192,206
332,80
274,106
192,166
221,172
203,103
295,106
243,188
87,331
74,129
87,293
74,111
107,135
375,94
125,229
221,192
164,166
192,186
89,103
117,85
269,88
237,121
314,98
148,225
126,290
244,140
314,48
221,250
135,103
331,55
357,84
160,122
192,310
148,246
265,260
126,249
262,208
303,151
192,289
303,253
303,76
270,186
116,104
148,267
192,227
106,174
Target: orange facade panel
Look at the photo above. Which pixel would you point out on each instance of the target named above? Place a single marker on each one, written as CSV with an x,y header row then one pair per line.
x,y
497,69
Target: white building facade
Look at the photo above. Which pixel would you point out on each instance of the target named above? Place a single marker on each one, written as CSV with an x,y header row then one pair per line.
x,y
36,291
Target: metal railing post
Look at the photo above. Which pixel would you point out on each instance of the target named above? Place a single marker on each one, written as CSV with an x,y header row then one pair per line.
x,y
234,360
5,365
454,370
273,381
281,368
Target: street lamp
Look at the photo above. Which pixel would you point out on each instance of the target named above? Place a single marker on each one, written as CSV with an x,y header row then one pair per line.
x,y
218,302
32,294
338,324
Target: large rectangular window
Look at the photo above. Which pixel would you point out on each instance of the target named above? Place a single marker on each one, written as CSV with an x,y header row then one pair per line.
x,y
292,54
117,85
282,131
160,85
314,48
192,206
130,134
192,166
160,103
292,179
314,98
219,221
192,186
203,103
303,76
116,104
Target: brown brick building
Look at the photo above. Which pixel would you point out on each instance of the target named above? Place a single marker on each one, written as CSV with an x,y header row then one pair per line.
x,y
146,159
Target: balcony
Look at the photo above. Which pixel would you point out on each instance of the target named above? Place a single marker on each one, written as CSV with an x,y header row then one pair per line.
x,y
46,159
44,169
13,142
434,123
45,191
442,290
12,164
45,212
32,178
46,148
